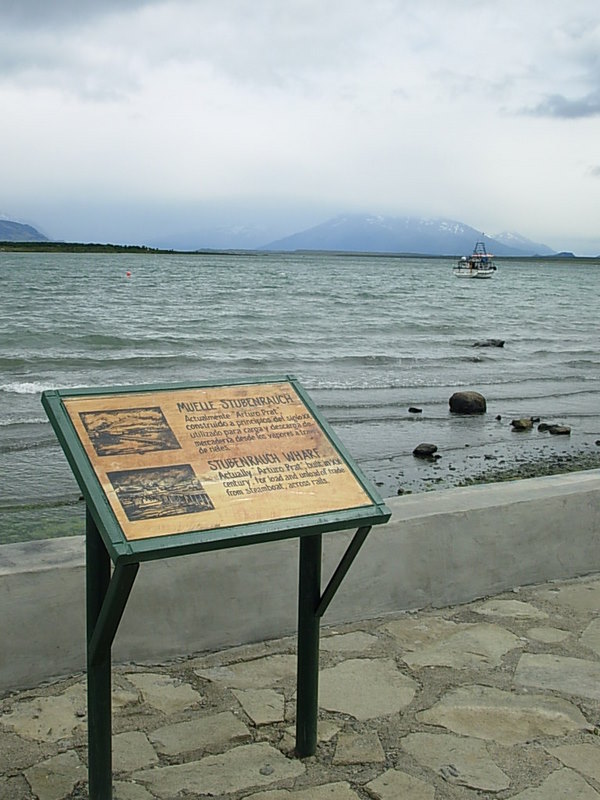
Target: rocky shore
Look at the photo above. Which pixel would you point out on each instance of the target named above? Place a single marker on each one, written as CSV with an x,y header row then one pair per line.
x,y
551,465
450,470
493,449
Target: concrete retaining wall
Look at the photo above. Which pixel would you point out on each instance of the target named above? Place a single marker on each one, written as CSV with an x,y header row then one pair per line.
x,y
439,548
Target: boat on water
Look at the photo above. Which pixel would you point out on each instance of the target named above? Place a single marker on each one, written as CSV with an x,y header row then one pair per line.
x,y
480,264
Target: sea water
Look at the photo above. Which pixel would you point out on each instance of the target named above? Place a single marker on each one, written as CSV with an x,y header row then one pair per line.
x,y
368,337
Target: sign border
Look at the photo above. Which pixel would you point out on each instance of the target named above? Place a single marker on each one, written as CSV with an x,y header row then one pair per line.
x,y
123,550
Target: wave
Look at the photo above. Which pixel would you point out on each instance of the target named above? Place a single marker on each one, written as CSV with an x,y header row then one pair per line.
x,y
5,423
351,404
421,383
30,505
24,387
19,447
361,359
247,351
406,380
583,363
111,341
45,361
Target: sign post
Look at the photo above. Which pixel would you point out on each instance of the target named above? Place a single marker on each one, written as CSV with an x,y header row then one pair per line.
x,y
175,469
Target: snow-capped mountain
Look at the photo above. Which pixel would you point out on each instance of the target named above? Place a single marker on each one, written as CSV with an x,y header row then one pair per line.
x,y
381,234
518,242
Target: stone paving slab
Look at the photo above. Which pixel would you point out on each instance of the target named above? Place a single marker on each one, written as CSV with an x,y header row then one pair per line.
x,y
132,751
564,784
202,733
515,609
263,706
56,777
395,784
366,688
459,760
504,717
585,758
242,768
329,791
358,748
591,636
472,645
575,676
498,698
164,693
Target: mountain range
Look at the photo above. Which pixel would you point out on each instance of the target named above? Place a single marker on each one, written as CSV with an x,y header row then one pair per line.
x,y
18,232
358,233
373,233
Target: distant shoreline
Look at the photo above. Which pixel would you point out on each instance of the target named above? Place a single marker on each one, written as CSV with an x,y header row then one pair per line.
x,y
93,247
90,247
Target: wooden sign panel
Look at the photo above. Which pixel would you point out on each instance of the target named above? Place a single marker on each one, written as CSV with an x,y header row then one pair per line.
x,y
194,459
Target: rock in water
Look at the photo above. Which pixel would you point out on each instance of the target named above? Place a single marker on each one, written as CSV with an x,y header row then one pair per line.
x,y
467,403
424,450
489,343
524,424
415,410
560,430
557,430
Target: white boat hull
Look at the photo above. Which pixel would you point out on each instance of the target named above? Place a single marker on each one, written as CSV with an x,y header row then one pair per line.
x,y
473,273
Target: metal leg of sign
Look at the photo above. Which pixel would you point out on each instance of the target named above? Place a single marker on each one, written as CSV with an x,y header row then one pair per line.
x,y
307,694
111,612
98,675
106,599
311,607
342,568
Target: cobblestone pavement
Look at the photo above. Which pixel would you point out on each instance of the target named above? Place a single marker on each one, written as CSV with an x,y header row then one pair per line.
x,y
499,698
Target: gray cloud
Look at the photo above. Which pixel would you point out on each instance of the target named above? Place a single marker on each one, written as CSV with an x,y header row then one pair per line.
x,y
107,44
42,62
36,14
561,107
343,103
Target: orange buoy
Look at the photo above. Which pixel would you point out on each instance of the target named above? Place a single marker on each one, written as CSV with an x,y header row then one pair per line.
x,y
128,274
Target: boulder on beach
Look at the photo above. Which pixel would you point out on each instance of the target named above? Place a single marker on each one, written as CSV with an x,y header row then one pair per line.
x,y
557,430
489,343
560,430
424,450
467,403
523,424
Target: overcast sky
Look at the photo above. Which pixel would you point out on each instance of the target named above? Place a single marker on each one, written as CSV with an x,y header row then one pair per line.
x,y
129,120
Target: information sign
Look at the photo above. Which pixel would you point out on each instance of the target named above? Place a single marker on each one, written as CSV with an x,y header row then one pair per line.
x,y
171,470
202,458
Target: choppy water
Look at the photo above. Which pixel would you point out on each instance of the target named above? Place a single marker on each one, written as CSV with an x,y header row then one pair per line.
x,y
367,336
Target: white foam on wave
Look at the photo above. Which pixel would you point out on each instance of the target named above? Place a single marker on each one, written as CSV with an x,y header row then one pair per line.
x,y
27,421
26,387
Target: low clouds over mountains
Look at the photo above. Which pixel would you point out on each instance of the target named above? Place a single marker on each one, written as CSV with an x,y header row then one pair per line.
x,y
371,233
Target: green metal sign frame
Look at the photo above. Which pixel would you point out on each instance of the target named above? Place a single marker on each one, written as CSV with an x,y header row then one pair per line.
x,y
108,589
